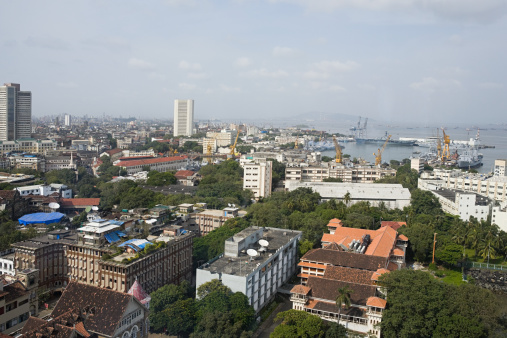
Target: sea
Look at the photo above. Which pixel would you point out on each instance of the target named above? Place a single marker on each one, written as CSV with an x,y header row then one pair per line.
x,y
492,136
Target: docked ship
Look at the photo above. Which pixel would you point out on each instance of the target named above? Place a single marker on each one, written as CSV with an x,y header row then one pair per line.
x,y
469,158
381,140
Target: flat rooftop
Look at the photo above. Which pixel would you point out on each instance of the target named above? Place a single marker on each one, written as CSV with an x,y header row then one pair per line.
x,y
244,264
40,242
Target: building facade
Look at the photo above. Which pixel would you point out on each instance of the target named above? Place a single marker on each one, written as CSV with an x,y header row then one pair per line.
x,y
355,174
15,112
257,177
257,276
160,164
183,117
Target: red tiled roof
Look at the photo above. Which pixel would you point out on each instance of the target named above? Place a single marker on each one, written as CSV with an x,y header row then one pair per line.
x,y
79,327
379,273
312,265
150,161
114,151
335,222
350,275
392,266
347,259
398,252
403,237
184,173
393,224
300,289
327,289
376,302
80,202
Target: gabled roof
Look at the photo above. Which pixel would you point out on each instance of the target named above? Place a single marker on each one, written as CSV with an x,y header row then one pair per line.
x,y
350,275
300,289
150,161
393,224
327,289
181,174
347,259
379,273
137,291
376,302
109,306
8,194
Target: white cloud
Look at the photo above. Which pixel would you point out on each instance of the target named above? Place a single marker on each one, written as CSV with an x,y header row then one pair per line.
x,y
264,73
338,66
141,64
283,51
187,86
491,85
337,88
185,65
67,84
457,10
197,75
431,84
242,62
230,89
311,74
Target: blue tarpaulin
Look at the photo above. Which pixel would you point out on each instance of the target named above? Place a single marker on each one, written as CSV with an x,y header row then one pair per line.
x,y
112,237
41,218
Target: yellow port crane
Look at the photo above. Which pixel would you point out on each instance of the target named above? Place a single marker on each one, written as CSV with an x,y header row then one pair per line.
x,y
338,150
439,146
378,156
446,153
233,147
296,143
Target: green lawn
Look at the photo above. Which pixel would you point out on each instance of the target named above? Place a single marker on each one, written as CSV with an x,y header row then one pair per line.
x,y
453,277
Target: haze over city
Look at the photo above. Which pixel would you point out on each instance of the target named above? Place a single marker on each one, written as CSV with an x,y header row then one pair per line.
x,y
403,61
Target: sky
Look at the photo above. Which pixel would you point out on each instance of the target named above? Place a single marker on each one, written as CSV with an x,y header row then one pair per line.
x,y
414,61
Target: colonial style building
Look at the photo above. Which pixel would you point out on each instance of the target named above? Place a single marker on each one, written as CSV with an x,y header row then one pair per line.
x,y
161,164
352,258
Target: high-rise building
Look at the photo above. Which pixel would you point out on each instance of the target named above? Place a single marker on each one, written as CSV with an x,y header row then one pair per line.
x,y
68,120
15,112
183,117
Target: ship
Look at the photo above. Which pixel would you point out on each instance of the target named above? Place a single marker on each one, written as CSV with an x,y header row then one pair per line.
x,y
391,142
469,158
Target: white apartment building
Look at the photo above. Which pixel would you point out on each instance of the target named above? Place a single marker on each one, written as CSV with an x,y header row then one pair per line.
x,y
45,190
257,176
500,166
31,146
68,120
223,138
259,275
350,174
183,117
15,112
463,204
394,196
7,262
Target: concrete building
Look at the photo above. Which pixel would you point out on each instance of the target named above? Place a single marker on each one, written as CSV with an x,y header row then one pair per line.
x,y
258,177
353,258
68,120
46,190
27,145
209,220
224,138
71,161
183,117
417,164
260,274
349,174
500,168
15,112
463,204
7,262
394,196
22,161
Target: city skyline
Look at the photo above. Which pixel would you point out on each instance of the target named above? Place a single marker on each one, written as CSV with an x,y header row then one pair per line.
x,y
410,61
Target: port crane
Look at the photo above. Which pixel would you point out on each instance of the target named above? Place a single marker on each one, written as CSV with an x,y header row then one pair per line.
x,y
378,155
233,147
296,142
338,150
439,146
446,154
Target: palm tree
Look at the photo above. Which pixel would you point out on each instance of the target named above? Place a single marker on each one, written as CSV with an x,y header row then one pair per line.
x,y
461,236
347,198
343,299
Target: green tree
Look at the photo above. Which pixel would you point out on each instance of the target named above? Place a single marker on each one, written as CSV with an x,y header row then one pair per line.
x,y
449,254
343,299
336,330
180,317
295,323
212,286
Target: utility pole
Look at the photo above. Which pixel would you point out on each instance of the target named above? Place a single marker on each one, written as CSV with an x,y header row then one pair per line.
x,y
434,244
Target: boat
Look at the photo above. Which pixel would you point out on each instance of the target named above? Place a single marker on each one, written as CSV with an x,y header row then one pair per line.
x,y
469,158
381,140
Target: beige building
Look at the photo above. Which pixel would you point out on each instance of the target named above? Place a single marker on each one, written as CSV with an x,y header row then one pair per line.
x,y
209,220
355,174
28,145
257,177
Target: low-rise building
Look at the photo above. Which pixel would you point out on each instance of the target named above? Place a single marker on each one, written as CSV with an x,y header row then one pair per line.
x,y
23,161
160,164
352,258
46,190
62,161
464,204
7,262
392,196
209,219
256,262
348,174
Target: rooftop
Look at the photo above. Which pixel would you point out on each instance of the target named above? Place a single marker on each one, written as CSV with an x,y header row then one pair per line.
x,y
243,265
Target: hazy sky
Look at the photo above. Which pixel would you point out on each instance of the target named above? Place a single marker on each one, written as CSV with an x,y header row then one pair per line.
x,y
400,60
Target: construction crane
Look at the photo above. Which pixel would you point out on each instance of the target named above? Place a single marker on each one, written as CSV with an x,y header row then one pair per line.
x,y
378,156
439,145
446,153
233,147
338,150
296,143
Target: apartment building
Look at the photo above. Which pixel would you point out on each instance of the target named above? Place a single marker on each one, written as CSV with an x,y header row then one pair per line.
x,y
183,117
209,220
27,145
257,177
464,204
256,262
355,174
45,190
71,161
22,161
15,112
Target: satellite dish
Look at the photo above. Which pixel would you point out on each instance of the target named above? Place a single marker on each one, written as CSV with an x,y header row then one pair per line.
x,y
263,242
251,252
54,205
229,204
95,208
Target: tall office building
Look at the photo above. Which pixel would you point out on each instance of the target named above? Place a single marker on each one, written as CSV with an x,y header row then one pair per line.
x,y
15,112
183,117
68,120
